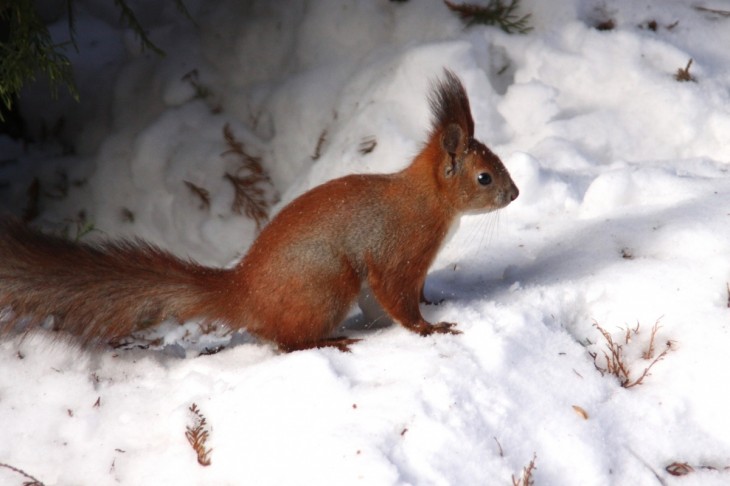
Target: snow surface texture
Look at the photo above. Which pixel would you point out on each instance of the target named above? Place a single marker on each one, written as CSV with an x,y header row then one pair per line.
x,y
622,219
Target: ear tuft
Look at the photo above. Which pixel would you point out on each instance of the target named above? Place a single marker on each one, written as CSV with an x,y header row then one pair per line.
x,y
450,104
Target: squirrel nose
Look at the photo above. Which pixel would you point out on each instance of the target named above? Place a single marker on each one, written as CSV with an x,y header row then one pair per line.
x,y
513,193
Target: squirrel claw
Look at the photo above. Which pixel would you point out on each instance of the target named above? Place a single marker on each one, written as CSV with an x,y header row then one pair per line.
x,y
341,343
439,328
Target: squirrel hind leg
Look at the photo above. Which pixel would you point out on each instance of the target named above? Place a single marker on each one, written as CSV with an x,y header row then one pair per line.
x,y
299,328
308,317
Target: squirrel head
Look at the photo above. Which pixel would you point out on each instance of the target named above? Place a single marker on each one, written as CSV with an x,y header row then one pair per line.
x,y
472,176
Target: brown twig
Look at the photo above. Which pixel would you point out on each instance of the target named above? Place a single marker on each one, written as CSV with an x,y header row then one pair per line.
x,y
197,436
683,468
684,74
367,145
649,353
645,373
202,91
252,185
320,143
679,469
526,479
32,481
249,198
721,13
499,446
615,360
496,12
203,194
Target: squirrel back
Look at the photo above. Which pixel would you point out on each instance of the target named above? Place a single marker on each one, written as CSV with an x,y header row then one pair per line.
x,y
304,271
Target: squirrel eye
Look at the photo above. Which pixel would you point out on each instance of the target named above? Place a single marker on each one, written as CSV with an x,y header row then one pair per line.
x,y
484,179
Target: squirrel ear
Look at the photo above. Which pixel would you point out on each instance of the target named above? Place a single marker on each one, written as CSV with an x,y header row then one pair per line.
x,y
450,168
452,139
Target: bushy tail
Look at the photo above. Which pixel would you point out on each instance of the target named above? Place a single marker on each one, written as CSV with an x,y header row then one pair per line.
x,y
98,292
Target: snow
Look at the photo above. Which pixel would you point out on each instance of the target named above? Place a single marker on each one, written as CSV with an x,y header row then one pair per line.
x,y
622,220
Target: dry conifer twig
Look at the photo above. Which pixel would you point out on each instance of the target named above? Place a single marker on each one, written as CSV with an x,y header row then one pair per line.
x,y
499,446
31,480
496,12
649,353
679,469
682,468
197,436
615,359
202,194
683,74
202,91
249,199
320,143
721,13
234,146
526,479
367,145
250,182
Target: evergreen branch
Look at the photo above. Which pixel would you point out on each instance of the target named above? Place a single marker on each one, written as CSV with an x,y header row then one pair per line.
x,y
496,12
71,23
29,50
180,4
131,19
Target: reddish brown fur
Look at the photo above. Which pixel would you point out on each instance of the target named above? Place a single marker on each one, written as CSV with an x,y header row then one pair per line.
x,y
300,276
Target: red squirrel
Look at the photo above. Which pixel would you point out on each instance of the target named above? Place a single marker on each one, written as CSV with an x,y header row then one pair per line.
x,y
301,275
